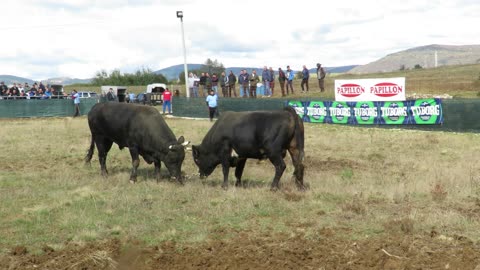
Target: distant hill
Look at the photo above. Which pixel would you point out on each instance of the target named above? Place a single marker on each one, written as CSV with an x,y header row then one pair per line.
x,y
425,57
172,72
10,79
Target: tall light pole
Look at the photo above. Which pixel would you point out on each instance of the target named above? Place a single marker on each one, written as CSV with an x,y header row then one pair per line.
x,y
187,91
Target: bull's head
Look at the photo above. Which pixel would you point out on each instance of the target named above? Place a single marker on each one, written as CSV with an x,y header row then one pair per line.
x,y
175,156
206,161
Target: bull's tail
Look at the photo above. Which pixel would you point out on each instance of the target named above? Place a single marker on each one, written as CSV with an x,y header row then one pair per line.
x,y
297,152
89,155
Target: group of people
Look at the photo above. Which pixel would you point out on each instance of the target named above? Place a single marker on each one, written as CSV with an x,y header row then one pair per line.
x,y
201,86
24,91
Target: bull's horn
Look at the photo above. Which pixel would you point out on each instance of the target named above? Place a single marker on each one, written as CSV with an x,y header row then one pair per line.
x,y
170,147
188,149
185,143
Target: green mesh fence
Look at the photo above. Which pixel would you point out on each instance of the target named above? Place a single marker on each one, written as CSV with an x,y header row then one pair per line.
x,y
43,107
459,114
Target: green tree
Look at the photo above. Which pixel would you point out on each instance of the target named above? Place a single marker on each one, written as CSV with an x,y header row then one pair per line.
x,y
417,66
142,76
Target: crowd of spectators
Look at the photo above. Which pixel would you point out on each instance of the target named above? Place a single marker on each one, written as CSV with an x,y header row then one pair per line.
x,y
25,91
248,83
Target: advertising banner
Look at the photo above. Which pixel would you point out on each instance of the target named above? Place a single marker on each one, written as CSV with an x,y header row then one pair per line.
x,y
385,89
411,112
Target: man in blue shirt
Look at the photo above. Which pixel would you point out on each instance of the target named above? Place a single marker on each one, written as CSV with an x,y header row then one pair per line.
x,y
212,104
76,101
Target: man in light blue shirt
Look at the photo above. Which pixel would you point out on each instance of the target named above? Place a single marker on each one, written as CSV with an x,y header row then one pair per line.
x,y
76,101
212,100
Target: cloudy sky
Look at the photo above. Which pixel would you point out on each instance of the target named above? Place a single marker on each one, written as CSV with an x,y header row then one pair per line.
x,y
76,38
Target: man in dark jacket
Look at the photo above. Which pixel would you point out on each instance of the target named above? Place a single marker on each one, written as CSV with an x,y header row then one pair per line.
x,y
321,77
306,75
232,79
281,80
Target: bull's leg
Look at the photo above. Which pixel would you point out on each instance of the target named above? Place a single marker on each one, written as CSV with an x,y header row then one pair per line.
x,y
103,146
158,165
280,166
297,161
226,170
135,163
239,171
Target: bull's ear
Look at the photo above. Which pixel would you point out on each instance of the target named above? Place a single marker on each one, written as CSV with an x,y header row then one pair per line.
x,y
195,151
181,140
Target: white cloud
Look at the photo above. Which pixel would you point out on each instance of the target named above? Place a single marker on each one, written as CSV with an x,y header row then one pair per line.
x,y
77,38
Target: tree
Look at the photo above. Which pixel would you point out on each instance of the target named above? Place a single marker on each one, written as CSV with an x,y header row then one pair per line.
x,y
417,66
142,76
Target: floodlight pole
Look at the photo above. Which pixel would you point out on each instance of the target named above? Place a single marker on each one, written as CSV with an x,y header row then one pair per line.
x,y
187,91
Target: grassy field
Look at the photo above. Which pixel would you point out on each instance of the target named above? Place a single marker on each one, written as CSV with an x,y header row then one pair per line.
x,y
368,181
461,81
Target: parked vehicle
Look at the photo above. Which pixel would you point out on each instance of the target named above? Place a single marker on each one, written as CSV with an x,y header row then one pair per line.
x,y
119,91
87,94
154,94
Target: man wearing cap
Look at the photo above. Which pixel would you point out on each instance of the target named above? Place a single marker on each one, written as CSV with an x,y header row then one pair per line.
x,y
321,77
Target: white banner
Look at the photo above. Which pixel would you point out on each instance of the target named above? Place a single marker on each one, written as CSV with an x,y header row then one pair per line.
x,y
385,89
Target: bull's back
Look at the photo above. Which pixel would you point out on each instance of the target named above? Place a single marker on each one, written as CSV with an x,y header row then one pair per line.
x,y
123,122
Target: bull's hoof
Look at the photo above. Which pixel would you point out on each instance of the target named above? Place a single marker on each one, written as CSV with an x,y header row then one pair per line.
x,y
274,189
225,187
238,184
133,181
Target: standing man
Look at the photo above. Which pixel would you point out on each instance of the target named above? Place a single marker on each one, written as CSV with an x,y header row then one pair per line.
x,y
272,80
254,79
76,102
281,80
202,81
321,77
110,95
246,79
232,79
306,75
266,78
224,84
167,101
289,77
212,101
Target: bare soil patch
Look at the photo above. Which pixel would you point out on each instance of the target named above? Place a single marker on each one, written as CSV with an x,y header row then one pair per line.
x,y
248,250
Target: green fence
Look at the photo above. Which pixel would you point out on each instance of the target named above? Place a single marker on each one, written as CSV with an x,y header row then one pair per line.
x,y
20,108
459,114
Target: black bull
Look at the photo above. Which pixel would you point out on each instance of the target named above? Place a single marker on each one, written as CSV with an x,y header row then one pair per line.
x,y
139,128
258,135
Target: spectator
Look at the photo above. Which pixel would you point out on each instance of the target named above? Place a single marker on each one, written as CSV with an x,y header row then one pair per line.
x,y
224,84
253,83
281,80
321,77
215,83
232,79
76,102
245,83
272,80
191,85
131,97
110,95
289,77
212,101
167,101
42,87
48,94
266,81
202,81
208,82
3,89
305,76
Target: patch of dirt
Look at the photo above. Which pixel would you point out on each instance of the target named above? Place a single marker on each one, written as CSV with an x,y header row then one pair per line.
x,y
250,250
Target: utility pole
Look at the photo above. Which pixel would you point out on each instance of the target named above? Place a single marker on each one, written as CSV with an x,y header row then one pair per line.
x,y
187,91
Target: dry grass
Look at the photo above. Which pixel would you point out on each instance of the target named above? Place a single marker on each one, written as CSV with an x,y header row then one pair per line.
x,y
364,179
